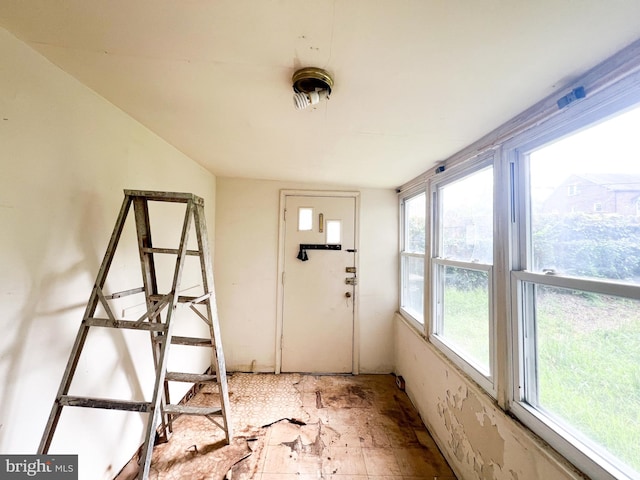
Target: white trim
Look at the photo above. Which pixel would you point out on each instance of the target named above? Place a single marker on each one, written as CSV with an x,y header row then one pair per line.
x,y
466,364
502,196
565,442
419,189
572,445
612,287
280,287
447,262
458,172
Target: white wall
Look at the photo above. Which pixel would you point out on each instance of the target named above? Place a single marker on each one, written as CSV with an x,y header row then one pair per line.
x,y
246,263
478,439
66,155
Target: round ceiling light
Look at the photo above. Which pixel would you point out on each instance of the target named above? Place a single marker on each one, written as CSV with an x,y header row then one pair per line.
x,y
310,84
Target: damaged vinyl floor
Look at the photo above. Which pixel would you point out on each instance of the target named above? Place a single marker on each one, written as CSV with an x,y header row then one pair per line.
x,y
293,426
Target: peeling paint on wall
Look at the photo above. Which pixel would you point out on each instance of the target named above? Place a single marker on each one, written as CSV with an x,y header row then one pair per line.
x,y
474,437
478,438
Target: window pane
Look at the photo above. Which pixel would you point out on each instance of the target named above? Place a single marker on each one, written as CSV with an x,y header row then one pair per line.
x,y
584,202
305,219
334,231
588,366
467,218
413,286
414,215
465,314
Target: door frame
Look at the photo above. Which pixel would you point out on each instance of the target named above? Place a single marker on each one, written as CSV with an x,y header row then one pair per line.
x,y
281,258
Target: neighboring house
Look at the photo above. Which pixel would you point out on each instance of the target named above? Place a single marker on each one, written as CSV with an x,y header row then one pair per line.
x,y
596,193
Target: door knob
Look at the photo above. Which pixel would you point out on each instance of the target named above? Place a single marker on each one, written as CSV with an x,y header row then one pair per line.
x,y
348,294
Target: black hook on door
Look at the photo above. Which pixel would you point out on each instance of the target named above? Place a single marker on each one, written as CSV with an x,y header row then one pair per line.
x,y
302,254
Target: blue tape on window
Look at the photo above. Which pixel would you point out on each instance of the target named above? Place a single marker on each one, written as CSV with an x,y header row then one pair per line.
x,y
575,94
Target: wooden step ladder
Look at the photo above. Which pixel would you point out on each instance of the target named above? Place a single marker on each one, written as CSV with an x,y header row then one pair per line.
x,y
160,411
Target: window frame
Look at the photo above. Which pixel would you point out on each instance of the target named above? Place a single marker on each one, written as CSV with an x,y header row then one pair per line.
x,y
403,198
592,110
435,291
610,87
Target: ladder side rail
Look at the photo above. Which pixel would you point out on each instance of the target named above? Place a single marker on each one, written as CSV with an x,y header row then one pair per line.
x,y
147,263
212,314
156,407
149,277
148,268
81,336
182,251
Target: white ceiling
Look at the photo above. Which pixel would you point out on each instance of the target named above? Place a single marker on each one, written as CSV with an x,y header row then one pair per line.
x,y
415,81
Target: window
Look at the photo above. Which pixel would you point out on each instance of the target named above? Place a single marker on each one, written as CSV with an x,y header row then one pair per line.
x,y
413,256
334,231
305,219
462,261
578,298
530,269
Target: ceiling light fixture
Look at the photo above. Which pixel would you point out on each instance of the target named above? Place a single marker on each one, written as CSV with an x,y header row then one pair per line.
x,y
310,84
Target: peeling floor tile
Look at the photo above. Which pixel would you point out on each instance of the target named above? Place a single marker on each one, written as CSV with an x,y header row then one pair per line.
x,y
304,427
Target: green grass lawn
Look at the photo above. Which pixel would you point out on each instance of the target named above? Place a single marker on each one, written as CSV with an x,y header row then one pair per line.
x,y
589,367
588,360
466,324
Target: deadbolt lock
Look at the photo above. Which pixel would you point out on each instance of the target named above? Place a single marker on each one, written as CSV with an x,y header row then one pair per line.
x,y
351,281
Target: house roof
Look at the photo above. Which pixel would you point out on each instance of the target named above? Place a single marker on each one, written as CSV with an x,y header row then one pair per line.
x,y
614,181
415,81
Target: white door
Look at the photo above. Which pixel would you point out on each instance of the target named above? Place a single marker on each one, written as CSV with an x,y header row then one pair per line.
x,y
318,300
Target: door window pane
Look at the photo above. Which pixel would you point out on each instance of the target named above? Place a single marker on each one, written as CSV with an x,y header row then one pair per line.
x,y
467,218
334,231
588,366
584,202
465,318
305,219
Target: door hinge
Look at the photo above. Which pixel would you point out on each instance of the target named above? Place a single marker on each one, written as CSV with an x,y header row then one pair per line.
x,y
282,278
284,215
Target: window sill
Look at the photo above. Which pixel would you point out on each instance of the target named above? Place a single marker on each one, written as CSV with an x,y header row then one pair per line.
x,y
417,326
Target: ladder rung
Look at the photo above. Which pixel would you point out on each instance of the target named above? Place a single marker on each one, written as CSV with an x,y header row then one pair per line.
x,y
189,377
171,251
181,298
189,410
105,322
124,293
71,401
192,341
